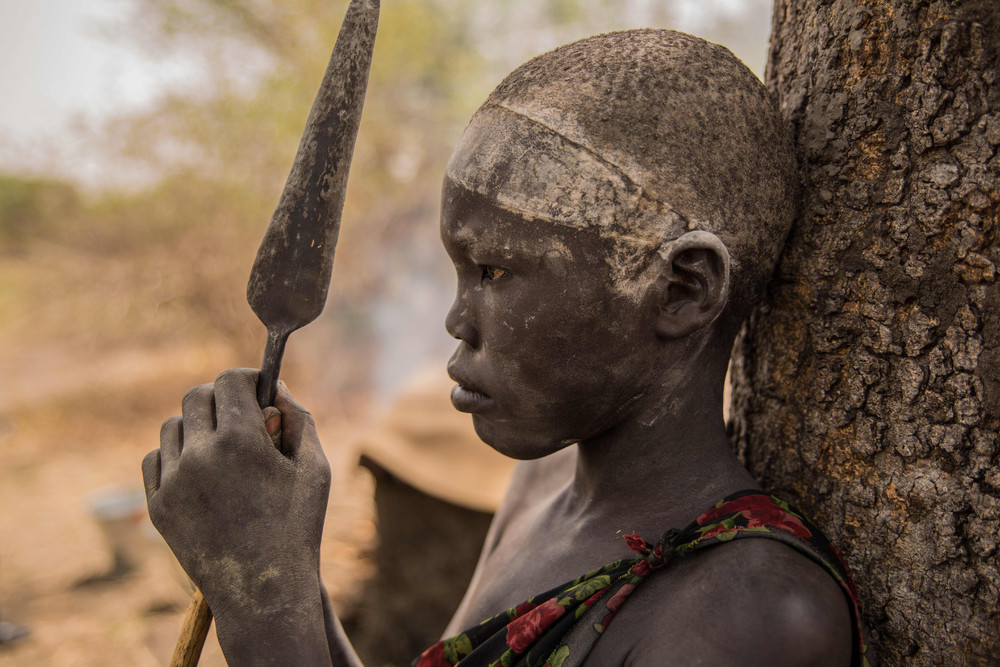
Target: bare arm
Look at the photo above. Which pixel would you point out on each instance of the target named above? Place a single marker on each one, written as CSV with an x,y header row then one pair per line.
x,y
750,602
245,521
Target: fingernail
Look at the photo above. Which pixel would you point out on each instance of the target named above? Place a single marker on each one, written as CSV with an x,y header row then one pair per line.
x,y
273,425
272,420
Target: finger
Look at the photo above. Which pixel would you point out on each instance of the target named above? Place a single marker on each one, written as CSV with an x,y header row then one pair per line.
x,y
272,423
236,400
151,472
297,426
198,410
171,442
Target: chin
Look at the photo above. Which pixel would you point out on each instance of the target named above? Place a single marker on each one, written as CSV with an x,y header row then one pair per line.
x,y
518,445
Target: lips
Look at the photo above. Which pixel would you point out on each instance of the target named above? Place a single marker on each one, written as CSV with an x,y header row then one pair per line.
x,y
466,397
469,400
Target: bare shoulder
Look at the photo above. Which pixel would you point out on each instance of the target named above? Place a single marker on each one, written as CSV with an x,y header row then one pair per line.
x,y
749,602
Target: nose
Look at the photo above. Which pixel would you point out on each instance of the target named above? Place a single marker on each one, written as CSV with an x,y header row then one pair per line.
x,y
459,324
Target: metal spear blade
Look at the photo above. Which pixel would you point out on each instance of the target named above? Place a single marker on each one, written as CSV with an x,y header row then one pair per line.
x,y
291,274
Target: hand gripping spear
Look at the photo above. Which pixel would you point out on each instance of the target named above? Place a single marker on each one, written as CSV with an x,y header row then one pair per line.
x,y
291,275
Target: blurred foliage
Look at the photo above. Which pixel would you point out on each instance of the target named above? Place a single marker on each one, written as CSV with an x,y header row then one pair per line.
x,y
30,207
123,268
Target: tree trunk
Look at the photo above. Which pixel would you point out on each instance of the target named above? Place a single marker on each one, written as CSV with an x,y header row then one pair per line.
x,y
867,387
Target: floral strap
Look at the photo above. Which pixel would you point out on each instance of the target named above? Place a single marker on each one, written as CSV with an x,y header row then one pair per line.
x,y
559,627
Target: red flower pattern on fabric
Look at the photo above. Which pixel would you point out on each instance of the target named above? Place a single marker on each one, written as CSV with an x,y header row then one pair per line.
x,y
718,530
618,599
749,512
758,511
524,631
641,569
637,544
433,657
523,608
589,602
615,603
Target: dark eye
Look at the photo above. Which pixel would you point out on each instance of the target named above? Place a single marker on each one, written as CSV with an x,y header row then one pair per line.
x,y
492,273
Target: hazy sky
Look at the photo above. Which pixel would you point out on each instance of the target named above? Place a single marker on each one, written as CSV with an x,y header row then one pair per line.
x,y
54,63
60,65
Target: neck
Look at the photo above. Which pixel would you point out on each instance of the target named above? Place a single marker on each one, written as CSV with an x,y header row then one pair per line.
x,y
667,461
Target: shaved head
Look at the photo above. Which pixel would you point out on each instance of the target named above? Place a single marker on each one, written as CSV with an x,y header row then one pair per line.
x,y
642,135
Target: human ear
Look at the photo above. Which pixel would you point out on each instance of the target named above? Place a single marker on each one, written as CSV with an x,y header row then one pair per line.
x,y
693,288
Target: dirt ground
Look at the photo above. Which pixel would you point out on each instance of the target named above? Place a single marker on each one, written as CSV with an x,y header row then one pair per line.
x,y
66,436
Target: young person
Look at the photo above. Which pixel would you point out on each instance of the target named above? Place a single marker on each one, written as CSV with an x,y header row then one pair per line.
x,y
613,210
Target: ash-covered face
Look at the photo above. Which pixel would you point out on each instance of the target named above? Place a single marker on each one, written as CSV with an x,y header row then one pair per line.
x,y
549,353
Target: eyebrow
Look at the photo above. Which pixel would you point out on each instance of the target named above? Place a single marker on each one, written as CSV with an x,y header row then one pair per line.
x,y
463,238
469,243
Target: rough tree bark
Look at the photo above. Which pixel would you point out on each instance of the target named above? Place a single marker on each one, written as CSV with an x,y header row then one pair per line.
x,y
867,388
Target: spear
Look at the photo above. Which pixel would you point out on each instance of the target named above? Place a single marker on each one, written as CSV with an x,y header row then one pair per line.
x,y
291,274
